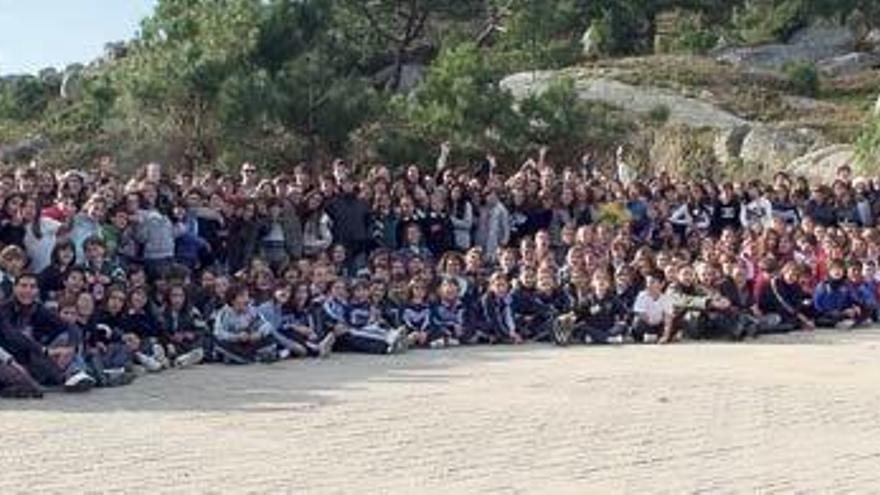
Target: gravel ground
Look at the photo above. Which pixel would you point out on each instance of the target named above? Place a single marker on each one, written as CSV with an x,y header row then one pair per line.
x,y
798,413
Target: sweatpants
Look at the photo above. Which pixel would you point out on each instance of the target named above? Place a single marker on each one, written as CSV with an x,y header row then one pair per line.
x,y
244,352
538,328
830,319
366,341
710,326
116,357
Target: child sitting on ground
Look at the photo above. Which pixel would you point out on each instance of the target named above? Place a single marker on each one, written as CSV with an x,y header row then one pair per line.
x,y
183,329
298,329
495,317
653,311
448,313
598,316
241,335
835,302
416,317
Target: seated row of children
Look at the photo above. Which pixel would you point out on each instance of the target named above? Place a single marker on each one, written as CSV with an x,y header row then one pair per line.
x,y
318,312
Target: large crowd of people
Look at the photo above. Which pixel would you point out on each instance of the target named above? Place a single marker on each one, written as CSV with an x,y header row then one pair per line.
x,y
104,277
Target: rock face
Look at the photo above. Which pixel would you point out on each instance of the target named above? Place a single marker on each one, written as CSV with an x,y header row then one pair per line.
x,y
640,99
871,41
812,44
696,130
822,164
23,150
850,63
777,147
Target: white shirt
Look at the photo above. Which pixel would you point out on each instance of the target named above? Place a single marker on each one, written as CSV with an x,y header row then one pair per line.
x,y
653,311
39,251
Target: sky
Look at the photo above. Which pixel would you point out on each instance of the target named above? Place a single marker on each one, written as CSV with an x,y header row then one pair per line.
x,y
35,34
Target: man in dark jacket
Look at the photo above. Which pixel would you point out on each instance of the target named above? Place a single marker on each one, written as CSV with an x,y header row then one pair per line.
x,y
351,223
39,343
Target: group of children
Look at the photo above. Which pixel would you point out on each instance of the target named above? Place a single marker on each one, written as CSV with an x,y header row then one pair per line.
x,y
677,263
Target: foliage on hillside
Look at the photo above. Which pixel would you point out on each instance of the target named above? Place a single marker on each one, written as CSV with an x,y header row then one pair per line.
x,y
214,82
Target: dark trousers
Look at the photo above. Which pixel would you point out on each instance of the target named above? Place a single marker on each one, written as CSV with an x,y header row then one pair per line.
x,y
243,352
710,325
598,335
29,354
17,382
363,342
829,319
642,328
538,328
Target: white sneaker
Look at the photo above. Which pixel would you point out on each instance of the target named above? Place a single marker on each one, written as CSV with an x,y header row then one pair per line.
x,y
845,324
284,353
452,342
326,345
615,339
79,382
191,358
437,344
150,364
160,356
588,340
650,338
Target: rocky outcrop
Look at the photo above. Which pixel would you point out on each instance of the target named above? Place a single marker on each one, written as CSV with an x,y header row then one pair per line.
x,y
640,99
822,164
813,44
848,64
776,147
23,150
696,131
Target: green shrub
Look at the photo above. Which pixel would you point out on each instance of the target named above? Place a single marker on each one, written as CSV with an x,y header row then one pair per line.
x,y
659,114
803,78
763,22
868,147
694,40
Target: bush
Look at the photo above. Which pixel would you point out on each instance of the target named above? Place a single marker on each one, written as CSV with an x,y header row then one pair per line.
x,y
659,114
763,22
803,78
868,147
694,40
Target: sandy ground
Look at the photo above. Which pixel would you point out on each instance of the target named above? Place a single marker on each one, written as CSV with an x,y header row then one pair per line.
x,y
762,417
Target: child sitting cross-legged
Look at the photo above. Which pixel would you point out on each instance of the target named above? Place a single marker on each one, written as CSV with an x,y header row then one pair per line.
x,y
448,313
298,330
241,334
495,314
834,300
652,310
183,329
415,316
354,321
598,316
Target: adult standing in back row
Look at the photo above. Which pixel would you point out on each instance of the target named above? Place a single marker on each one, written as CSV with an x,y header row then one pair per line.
x,y
350,217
